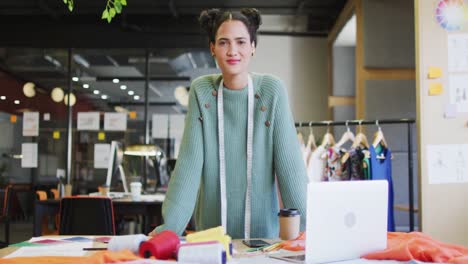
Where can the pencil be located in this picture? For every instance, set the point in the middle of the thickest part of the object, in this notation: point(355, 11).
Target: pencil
point(91, 249)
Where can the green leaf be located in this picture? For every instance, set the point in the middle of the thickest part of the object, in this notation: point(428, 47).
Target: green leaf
point(65, 1)
point(112, 12)
point(70, 6)
point(109, 18)
point(123, 2)
point(118, 7)
point(105, 14)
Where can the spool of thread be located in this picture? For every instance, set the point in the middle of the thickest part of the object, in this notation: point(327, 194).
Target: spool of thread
point(161, 246)
point(204, 252)
point(131, 242)
point(201, 235)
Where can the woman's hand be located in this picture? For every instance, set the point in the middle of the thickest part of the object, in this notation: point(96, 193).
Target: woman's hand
point(152, 233)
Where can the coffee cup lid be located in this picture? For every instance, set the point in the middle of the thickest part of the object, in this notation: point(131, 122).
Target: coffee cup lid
point(289, 212)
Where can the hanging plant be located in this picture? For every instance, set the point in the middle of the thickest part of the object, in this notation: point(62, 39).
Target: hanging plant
point(112, 8)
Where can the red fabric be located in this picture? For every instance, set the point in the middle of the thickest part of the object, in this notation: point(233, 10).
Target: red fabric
point(296, 244)
point(418, 246)
point(101, 257)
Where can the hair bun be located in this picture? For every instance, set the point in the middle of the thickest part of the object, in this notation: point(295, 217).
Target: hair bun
point(207, 19)
point(253, 15)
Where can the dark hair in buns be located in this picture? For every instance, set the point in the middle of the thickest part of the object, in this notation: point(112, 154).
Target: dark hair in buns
point(211, 19)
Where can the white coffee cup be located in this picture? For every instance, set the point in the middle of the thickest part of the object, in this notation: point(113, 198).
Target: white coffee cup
point(135, 189)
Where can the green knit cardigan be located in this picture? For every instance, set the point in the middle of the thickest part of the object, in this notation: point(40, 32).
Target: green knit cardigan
point(194, 185)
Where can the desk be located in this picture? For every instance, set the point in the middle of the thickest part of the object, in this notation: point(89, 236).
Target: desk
point(151, 211)
point(238, 259)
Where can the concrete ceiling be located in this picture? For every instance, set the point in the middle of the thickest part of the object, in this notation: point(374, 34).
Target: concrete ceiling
point(37, 35)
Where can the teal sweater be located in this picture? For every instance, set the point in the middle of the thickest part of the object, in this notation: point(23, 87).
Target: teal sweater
point(194, 185)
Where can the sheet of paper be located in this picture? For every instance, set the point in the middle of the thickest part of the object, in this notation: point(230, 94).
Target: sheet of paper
point(101, 156)
point(29, 155)
point(115, 121)
point(457, 52)
point(176, 130)
point(447, 163)
point(88, 121)
point(459, 91)
point(160, 126)
point(434, 72)
point(450, 111)
point(435, 88)
point(70, 249)
point(31, 124)
point(101, 136)
point(56, 134)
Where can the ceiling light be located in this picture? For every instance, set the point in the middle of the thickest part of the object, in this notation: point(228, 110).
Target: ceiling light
point(28, 89)
point(115, 80)
point(104, 97)
point(85, 85)
point(123, 87)
point(72, 99)
point(57, 94)
point(136, 97)
point(3, 97)
point(131, 92)
point(52, 60)
point(96, 92)
point(75, 79)
point(17, 101)
point(80, 60)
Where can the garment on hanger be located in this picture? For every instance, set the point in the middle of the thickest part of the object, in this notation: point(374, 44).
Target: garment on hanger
point(300, 139)
point(381, 169)
point(310, 147)
point(316, 165)
point(356, 163)
point(336, 169)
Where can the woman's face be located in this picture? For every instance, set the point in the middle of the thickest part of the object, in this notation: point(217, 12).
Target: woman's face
point(232, 48)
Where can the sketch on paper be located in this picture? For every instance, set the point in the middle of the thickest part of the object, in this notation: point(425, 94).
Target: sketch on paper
point(447, 163)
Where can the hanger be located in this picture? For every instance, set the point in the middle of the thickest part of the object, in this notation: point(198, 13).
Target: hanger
point(379, 137)
point(347, 136)
point(311, 140)
point(360, 139)
point(328, 139)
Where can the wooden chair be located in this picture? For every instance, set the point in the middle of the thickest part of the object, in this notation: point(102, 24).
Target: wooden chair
point(83, 215)
point(5, 215)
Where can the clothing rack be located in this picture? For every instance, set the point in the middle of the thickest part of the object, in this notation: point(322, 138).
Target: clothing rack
point(379, 122)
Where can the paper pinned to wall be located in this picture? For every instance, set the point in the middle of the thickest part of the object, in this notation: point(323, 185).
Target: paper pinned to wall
point(435, 88)
point(457, 52)
point(31, 124)
point(459, 91)
point(447, 163)
point(434, 72)
point(176, 130)
point(29, 155)
point(160, 126)
point(115, 121)
point(101, 156)
point(88, 121)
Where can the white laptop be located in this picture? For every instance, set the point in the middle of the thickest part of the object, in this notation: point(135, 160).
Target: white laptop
point(345, 220)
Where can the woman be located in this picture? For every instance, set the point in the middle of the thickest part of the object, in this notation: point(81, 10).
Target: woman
point(239, 132)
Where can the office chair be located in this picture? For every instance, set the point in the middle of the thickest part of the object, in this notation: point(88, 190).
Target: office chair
point(5, 215)
point(42, 196)
point(86, 216)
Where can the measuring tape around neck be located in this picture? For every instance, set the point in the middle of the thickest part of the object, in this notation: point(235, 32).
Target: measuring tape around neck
point(222, 161)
